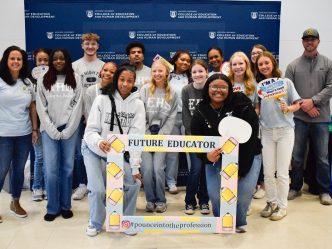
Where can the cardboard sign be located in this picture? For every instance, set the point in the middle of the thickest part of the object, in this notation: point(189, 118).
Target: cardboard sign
point(225, 68)
point(159, 57)
point(117, 222)
point(236, 128)
point(39, 71)
point(272, 88)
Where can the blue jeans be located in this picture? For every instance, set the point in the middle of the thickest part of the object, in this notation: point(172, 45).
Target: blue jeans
point(59, 164)
point(79, 174)
point(96, 172)
point(38, 178)
point(153, 172)
point(172, 158)
point(196, 182)
point(319, 134)
point(14, 151)
point(246, 187)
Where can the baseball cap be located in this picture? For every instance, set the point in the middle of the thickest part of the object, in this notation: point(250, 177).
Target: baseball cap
point(310, 32)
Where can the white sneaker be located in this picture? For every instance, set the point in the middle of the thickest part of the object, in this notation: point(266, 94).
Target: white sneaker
point(259, 194)
point(269, 209)
point(45, 194)
point(278, 214)
point(80, 192)
point(37, 194)
point(91, 230)
point(241, 229)
point(173, 189)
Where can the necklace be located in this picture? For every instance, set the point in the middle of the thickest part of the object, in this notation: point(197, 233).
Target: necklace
point(215, 110)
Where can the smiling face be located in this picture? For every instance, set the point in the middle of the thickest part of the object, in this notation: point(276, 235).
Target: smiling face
point(159, 73)
point(182, 64)
point(215, 59)
point(42, 59)
point(238, 66)
point(265, 66)
point(59, 61)
point(218, 92)
point(107, 73)
point(255, 53)
point(90, 47)
point(15, 62)
point(310, 44)
point(126, 83)
point(199, 74)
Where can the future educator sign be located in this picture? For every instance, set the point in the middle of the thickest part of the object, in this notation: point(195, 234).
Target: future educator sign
point(228, 143)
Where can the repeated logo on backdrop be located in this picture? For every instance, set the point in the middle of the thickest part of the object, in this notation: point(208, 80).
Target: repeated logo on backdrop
point(162, 26)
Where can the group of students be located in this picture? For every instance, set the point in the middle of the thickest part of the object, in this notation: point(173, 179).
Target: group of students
point(168, 100)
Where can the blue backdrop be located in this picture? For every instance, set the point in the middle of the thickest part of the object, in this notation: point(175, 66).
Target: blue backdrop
point(163, 26)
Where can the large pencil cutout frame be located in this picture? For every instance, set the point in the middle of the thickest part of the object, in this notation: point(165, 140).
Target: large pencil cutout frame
point(116, 222)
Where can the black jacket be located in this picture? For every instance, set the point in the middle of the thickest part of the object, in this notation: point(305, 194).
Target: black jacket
point(205, 122)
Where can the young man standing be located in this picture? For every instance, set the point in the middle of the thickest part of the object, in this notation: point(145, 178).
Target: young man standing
point(88, 68)
point(312, 77)
point(135, 52)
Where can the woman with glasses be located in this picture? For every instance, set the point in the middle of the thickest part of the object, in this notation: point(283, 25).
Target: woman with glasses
point(218, 102)
point(255, 51)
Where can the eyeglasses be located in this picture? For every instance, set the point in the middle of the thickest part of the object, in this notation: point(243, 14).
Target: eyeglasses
point(256, 53)
point(221, 88)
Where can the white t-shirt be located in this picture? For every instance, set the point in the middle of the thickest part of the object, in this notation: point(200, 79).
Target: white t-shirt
point(240, 87)
point(15, 101)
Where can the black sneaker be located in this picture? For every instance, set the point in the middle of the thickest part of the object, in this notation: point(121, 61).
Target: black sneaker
point(189, 209)
point(67, 214)
point(204, 208)
point(50, 217)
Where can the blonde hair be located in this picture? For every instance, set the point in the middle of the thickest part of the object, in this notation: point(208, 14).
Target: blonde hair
point(153, 86)
point(248, 77)
point(90, 36)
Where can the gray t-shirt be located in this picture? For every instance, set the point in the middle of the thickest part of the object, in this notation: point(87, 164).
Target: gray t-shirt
point(143, 76)
point(15, 101)
point(190, 98)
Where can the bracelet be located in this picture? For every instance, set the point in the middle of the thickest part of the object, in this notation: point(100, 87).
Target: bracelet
point(34, 129)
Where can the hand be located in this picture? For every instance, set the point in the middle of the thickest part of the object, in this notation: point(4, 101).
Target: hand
point(105, 146)
point(284, 107)
point(214, 155)
point(306, 104)
point(137, 176)
point(314, 112)
point(34, 137)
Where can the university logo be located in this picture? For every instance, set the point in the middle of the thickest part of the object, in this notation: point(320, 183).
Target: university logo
point(173, 13)
point(212, 35)
point(49, 35)
point(132, 34)
point(254, 15)
point(89, 13)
